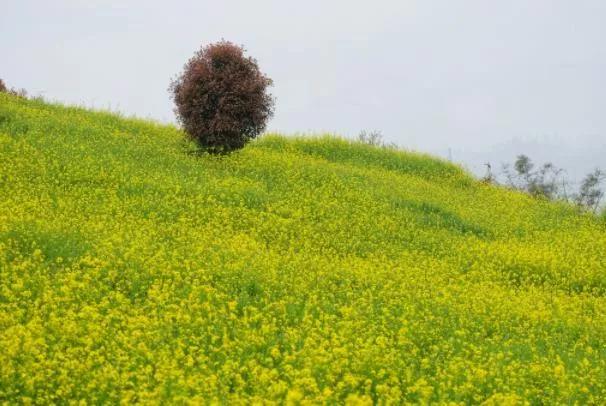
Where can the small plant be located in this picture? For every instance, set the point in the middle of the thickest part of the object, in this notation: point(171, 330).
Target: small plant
point(221, 98)
point(488, 177)
point(22, 93)
point(373, 137)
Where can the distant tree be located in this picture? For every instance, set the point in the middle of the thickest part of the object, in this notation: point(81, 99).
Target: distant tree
point(221, 98)
point(548, 182)
point(373, 137)
point(3, 88)
point(545, 182)
point(590, 195)
point(523, 167)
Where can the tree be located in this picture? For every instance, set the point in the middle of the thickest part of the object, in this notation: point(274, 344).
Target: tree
point(523, 167)
point(547, 182)
point(590, 194)
point(544, 182)
point(221, 98)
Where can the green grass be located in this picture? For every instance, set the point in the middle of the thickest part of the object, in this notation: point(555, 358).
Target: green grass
point(299, 269)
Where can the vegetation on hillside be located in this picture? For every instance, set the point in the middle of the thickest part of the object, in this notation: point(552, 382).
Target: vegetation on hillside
point(548, 182)
point(12, 91)
point(294, 270)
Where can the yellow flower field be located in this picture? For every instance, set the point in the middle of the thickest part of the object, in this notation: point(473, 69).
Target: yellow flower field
point(300, 270)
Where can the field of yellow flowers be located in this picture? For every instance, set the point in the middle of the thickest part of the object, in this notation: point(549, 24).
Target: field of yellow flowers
point(298, 271)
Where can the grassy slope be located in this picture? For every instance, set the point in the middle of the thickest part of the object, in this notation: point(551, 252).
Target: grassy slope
point(319, 269)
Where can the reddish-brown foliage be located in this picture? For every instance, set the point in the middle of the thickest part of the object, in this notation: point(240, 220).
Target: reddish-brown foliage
point(2, 86)
point(221, 98)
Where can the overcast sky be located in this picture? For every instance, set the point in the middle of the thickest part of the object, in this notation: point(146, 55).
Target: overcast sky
point(487, 79)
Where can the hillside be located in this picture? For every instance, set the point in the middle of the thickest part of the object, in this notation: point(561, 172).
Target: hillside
point(299, 269)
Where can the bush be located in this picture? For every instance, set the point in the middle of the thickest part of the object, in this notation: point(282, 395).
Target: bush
point(544, 182)
point(371, 137)
point(590, 195)
point(548, 182)
point(22, 93)
point(221, 98)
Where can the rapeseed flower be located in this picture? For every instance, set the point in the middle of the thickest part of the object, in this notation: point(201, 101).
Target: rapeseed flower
point(299, 270)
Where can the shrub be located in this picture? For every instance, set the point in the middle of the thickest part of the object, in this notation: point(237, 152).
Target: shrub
point(371, 137)
point(221, 98)
point(22, 93)
point(544, 182)
point(590, 195)
point(547, 182)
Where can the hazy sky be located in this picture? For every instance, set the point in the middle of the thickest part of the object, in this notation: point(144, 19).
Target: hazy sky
point(488, 79)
